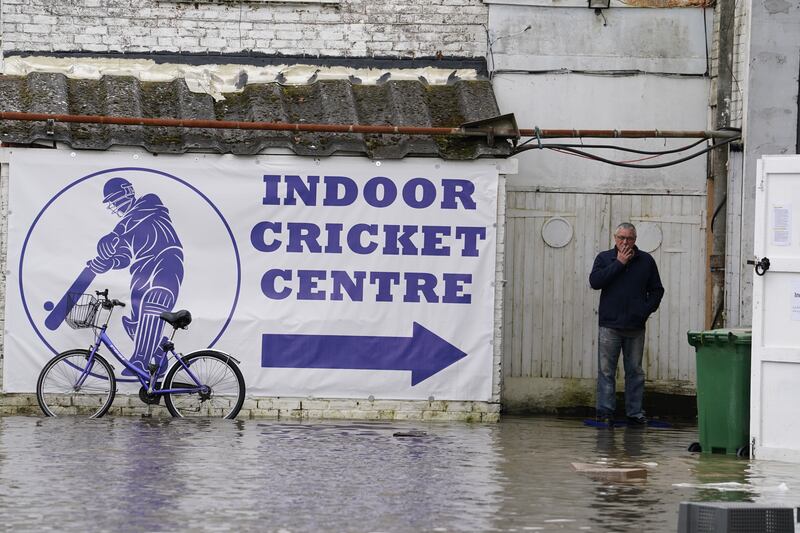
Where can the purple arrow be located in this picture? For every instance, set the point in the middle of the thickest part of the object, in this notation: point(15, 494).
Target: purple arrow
point(424, 353)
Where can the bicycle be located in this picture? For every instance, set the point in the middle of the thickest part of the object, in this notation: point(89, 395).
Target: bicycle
point(81, 381)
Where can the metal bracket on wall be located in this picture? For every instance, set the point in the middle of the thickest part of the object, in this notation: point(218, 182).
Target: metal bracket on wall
point(502, 127)
point(716, 263)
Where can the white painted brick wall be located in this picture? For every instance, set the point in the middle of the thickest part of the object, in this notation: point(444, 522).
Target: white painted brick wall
point(739, 60)
point(362, 28)
point(395, 28)
point(739, 50)
point(297, 409)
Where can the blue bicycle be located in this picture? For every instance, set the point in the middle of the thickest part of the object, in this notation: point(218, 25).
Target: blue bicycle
point(204, 383)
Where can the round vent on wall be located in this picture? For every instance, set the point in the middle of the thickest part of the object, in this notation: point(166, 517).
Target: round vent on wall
point(648, 236)
point(557, 232)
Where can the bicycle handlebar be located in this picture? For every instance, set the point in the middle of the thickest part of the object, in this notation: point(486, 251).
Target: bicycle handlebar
point(108, 304)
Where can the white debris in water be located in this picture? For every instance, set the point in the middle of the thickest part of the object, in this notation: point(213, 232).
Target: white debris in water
point(780, 488)
point(724, 487)
point(732, 486)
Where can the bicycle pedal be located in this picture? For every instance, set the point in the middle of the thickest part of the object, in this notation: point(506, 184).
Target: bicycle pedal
point(147, 415)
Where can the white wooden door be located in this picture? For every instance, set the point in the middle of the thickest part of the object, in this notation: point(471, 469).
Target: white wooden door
point(775, 351)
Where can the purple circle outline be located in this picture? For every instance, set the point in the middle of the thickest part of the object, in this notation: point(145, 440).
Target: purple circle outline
point(128, 169)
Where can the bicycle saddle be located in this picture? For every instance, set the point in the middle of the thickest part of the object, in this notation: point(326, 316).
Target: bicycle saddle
point(178, 320)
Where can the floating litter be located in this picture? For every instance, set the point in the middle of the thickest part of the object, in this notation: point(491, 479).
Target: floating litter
point(605, 473)
point(412, 433)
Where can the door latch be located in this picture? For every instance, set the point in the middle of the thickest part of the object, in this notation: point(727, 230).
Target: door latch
point(762, 265)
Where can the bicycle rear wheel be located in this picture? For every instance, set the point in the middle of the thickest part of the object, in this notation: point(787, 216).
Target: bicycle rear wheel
point(64, 389)
point(218, 374)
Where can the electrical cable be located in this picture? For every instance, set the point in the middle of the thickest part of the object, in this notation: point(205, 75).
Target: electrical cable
point(623, 148)
point(718, 209)
point(489, 44)
point(581, 153)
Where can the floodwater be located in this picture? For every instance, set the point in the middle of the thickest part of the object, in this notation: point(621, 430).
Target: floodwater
point(156, 474)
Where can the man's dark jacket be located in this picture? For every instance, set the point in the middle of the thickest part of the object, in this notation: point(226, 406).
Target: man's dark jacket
point(630, 293)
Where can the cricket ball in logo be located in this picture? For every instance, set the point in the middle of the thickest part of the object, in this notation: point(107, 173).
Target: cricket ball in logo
point(155, 240)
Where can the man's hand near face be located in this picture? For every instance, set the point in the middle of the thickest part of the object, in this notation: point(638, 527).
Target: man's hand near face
point(624, 253)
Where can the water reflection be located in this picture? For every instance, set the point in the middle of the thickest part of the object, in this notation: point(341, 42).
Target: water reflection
point(242, 475)
point(621, 445)
point(619, 505)
point(774, 482)
point(721, 478)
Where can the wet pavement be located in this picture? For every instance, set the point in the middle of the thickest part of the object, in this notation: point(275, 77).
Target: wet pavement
point(160, 474)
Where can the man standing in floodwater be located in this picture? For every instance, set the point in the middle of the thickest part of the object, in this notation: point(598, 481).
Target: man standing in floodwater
point(631, 291)
point(145, 240)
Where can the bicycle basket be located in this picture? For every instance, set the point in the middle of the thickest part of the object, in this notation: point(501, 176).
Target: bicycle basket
point(83, 312)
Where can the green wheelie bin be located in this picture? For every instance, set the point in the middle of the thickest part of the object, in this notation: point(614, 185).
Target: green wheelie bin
point(723, 390)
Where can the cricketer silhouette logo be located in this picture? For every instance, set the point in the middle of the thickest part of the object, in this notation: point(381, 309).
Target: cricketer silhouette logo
point(135, 240)
point(145, 242)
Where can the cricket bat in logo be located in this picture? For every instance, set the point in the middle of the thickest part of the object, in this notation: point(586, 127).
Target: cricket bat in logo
point(64, 305)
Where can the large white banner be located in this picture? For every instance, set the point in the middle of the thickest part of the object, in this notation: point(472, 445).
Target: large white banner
point(337, 277)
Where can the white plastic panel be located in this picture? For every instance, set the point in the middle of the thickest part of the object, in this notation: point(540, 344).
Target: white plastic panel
point(779, 421)
point(775, 368)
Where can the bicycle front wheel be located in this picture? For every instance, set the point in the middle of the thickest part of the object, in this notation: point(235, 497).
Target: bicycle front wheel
point(220, 379)
point(68, 386)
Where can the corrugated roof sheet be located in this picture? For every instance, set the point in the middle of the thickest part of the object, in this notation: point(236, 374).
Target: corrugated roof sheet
point(396, 103)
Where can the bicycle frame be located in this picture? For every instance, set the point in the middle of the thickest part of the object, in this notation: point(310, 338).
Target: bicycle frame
point(147, 380)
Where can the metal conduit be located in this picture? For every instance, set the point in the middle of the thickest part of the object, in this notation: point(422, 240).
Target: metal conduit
point(358, 128)
point(631, 134)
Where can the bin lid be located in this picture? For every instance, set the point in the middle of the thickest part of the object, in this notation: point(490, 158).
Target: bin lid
point(724, 335)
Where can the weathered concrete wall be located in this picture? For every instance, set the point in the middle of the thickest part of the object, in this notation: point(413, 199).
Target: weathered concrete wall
point(575, 100)
point(626, 68)
point(770, 116)
point(576, 397)
point(360, 28)
point(557, 64)
point(532, 38)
